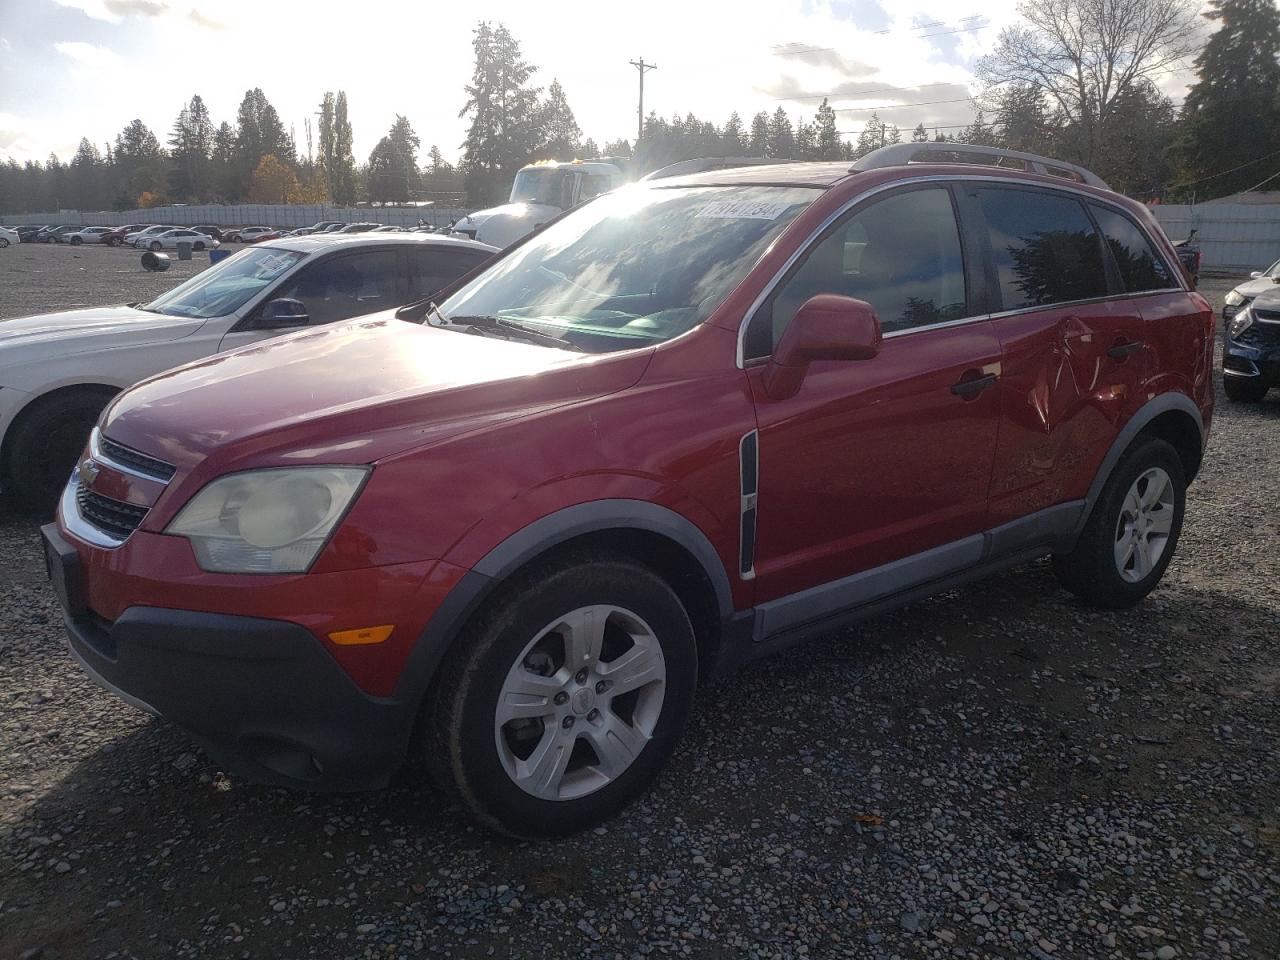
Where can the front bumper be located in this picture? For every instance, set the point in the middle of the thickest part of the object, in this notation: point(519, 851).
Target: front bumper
point(262, 696)
point(1255, 356)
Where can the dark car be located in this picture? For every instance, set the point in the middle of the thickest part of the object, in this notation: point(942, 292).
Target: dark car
point(54, 234)
point(117, 235)
point(357, 227)
point(209, 230)
point(1251, 352)
point(686, 425)
point(27, 232)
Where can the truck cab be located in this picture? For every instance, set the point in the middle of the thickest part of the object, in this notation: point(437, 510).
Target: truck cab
point(541, 191)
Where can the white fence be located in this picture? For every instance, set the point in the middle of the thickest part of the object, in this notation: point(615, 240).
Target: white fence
point(250, 214)
point(1234, 237)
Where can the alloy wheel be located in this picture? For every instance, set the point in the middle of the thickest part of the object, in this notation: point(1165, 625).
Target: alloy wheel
point(580, 703)
point(1145, 522)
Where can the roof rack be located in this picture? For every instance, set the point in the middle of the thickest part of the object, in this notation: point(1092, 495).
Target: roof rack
point(901, 154)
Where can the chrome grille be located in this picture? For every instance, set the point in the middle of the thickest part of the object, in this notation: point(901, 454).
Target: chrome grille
point(113, 517)
point(135, 459)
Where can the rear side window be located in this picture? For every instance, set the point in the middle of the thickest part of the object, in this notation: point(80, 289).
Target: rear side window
point(901, 254)
point(1044, 247)
point(432, 270)
point(1141, 268)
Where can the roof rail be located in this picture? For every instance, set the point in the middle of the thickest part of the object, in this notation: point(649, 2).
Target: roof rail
point(901, 154)
point(702, 164)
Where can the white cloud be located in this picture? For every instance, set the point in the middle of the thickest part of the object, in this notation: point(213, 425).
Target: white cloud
point(87, 53)
point(113, 11)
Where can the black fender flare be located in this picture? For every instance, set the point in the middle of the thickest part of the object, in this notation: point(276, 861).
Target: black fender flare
point(531, 541)
point(1155, 407)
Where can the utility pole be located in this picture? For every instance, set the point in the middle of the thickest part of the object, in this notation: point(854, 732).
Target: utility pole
point(642, 67)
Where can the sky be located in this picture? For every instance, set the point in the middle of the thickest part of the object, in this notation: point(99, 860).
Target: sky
point(73, 68)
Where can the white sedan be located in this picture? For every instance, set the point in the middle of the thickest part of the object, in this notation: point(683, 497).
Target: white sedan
point(248, 234)
point(86, 235)
point(133, 238)
point(8, 236)
point(170, 239)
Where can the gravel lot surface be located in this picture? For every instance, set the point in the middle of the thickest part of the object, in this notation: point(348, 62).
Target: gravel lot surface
point(996, 772)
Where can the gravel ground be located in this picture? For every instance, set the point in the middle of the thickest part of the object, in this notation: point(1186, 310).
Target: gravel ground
point(996, 772)
point(37, 277)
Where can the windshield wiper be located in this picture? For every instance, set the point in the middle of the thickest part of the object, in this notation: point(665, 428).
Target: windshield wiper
point(503, 324)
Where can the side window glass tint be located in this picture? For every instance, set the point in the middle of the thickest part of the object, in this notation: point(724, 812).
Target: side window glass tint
point(901, 254)
point(1045, 249)
point(432, 270)
point(343, 287)
point(1141, 268)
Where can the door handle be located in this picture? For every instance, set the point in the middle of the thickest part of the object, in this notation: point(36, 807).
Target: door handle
point(1122, 350)
point(971, 388)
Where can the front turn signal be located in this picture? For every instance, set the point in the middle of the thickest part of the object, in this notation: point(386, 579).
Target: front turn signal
point(361, 637)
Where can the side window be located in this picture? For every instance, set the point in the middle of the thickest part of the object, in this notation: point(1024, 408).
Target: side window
point(1044, 247)
point(901, 254)
point(1141, 268)
point(338, 288)
point(594, 184)
point(432, 270)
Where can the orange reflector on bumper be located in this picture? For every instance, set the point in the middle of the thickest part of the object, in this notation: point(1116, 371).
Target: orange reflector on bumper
point(351, 638)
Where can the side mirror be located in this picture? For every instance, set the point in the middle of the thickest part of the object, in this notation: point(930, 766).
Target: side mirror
point(826, 327)
point(1256, 275)
point(282, 314)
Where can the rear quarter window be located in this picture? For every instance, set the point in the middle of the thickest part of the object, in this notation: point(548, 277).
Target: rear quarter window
point(1141, 266)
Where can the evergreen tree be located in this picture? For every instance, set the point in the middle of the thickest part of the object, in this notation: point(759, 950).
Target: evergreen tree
point(191, 144)
point(829, 144)
point(139, 164)
point(259, 132)
point(731, 136)
point(782, 139)
point(1022, 119)
point(392, 174)
point(588, 150)
point(806, 141)
point(342, 170)
point(874, 135)
point(758, 145)
point(617, 148)
point(222, 160)
point(504, 115)
point(979, 133)
point(1232, 112)
point(919, 134)
point(560, 133)
point(85, 177)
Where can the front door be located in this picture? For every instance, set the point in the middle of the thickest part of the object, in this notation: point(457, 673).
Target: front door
point(885, 459)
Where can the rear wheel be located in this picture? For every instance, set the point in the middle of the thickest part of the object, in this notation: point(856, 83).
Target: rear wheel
point(1244, 389)
point(1130, 536)
point(47, 440)
point(4, 242)
point(198, 246)
point(76, 241)
point(156, 246)
point(562, 701)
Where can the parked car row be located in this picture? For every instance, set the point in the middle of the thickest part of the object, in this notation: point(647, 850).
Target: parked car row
point(130, 234)
point(514, 524)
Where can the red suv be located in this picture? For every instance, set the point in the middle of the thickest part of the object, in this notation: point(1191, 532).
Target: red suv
point(685, 425)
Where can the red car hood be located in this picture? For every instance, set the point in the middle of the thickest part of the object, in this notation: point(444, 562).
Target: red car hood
point(352, 393)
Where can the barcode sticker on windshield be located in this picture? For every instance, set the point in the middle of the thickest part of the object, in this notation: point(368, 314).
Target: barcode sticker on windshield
point(744, 209)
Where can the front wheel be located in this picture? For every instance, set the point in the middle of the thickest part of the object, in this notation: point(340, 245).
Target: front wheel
point(198, 246)
point(562, 701)
point(156, 246)
point(1131, 534)
point(4, 242)
point(1244, 389)
point(44, 444)
point(76, 241)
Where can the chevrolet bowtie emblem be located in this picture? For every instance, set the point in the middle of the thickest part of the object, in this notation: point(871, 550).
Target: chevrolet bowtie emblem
point(89, 470)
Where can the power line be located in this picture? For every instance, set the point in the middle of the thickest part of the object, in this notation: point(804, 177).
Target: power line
point(1263, 183)
point(1214, 176)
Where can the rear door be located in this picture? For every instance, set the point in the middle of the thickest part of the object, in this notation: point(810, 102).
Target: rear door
point(877, 460)
point(1073, 351)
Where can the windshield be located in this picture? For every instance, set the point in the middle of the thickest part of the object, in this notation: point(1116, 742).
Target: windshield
point(635, 267)
point(225, 287)
point(538, 186)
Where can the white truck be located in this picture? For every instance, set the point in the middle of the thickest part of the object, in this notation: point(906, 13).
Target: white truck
point(541, 191)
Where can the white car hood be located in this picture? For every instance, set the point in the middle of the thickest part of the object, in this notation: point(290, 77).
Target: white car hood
point(506, 224)
point(79, 331)
point(1251, 288)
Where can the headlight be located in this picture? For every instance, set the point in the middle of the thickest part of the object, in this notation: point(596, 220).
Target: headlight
point(1241, 322)
point(267, 521)
point(1234, 298)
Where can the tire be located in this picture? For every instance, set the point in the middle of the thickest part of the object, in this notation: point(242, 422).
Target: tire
point(471, 753)
point(156, 246)
point(198, 246)
point(4, 242)
point(76, 241)
point(1244, 390)
point(1126, 544)
point(114, 242)
point(46, 441)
